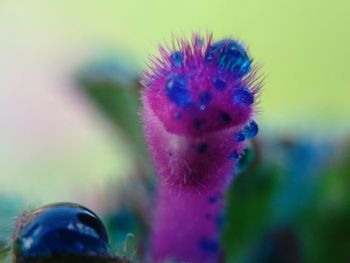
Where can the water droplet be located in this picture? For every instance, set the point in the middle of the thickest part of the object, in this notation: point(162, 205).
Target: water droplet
point(211, 246)
point(62, 228)
point(231, 56)
point(251, 130)
point(177, 91)
point(177, 58)
point(234, 156)
point(243, 96)
point(219, 84)
point(244, 68)
point(202, 148)
point(240, 137)
point(213, 200)
point(204, 99)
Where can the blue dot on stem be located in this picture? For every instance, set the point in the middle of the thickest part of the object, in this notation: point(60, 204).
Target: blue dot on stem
point(239, 137)
point(243, 96)
point(176, 89)
point(251, 130)
point(219, 84)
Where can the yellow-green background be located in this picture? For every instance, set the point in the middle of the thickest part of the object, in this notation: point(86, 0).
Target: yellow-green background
point(48, 137)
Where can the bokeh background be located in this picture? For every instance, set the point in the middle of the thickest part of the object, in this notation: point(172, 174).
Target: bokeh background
point(56, 145)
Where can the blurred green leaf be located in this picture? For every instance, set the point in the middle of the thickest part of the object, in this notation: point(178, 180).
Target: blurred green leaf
point(119, 105)
point(112, 86)
point(249, 200)
point(326, 224)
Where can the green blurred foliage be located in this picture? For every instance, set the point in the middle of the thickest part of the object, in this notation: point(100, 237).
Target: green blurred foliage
point(119, 105)
point(299, 208)
point(325, 228)
point(112, 85)
point(249, 201)
point(113, 88)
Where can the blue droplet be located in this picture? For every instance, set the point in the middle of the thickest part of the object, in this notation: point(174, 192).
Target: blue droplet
point(231, 56)
point(244, 68)
point(235, 59)
point(219, 84)
point(63, 229)
point(243, 96)
point(251, 130)
point(213, 199)
point(212, 52)
point(204, 99)
point(234, 156)
point(202, 148)
point(240, 137)
point(211, 246)
point(177, 58)
point(177, 91)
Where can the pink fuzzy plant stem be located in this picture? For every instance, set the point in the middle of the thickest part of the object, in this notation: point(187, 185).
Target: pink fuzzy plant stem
point(198, 104)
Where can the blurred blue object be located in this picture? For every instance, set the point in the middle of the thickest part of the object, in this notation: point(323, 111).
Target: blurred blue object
point(60, 229)
point(304, 163)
